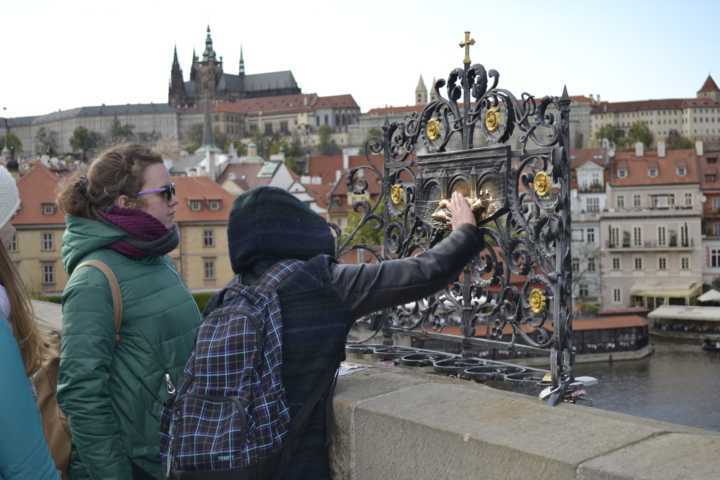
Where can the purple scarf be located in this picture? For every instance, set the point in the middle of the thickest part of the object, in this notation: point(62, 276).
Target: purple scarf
point(146, 235)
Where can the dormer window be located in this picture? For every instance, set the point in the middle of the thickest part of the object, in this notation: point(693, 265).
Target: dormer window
point(681, 171)
point(652, 172)
point(214, 205)
point(622, 172)
point(48, 208)
point(195, 205)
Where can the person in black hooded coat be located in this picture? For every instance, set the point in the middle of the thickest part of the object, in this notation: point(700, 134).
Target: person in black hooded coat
point(321, 300)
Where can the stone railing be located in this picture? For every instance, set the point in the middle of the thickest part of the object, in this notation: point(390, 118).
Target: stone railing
point(392, 423)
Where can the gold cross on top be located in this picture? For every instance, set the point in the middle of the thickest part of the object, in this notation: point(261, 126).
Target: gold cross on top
point(467, 44)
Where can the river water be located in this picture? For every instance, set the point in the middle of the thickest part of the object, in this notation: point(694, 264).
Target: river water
point(674, 386)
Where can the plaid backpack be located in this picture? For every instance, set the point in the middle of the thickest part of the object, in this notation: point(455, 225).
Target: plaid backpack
point(230, 412)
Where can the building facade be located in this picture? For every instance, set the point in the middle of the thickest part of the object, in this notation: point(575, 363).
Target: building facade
point(39, 226)
point(651, 239)
point(588, 200)
point(695, 118)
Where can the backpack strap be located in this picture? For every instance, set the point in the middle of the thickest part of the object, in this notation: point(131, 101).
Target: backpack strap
point(114, 290)
point(272, 278)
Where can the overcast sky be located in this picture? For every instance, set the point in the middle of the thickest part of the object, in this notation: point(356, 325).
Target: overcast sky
point(66, 54)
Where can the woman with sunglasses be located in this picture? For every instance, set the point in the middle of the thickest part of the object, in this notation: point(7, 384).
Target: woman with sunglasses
point(112, 388)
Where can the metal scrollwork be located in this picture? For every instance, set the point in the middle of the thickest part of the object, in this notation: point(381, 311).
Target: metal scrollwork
point(508, 157)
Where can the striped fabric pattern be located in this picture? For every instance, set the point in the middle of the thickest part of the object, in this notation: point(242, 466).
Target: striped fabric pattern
point(231, 410)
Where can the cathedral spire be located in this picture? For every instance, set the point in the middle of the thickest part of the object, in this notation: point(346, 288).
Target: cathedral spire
point(242, 62)
point(209, 53)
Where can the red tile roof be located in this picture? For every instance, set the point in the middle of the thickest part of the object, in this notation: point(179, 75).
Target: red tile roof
point(336, 101)
point(201, 188)
point(660, 104)
point(709, 86)
point(395, 110)
point(581, 99)
point(305, 102)
point(39, 186)
point(580, 156)
point(244, 175)
point(637, 168)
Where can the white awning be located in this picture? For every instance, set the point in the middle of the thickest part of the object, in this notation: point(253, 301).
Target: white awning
point(682, 312)
point(666, 288)
point(710, 296)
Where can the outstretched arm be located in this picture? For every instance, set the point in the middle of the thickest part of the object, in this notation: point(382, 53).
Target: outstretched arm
point(370, 287)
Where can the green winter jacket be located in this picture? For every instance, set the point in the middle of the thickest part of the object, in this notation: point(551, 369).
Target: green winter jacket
point(112, 391)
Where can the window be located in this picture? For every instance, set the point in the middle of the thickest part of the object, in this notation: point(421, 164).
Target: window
point(208, 238)
point(593, 204)
point(48, 209)
point(48, 273)
point(661, 239)
point(685, 263)
point(662, 263)
point(209, 268)
point(652, 172)
point(214, 205)
point(575, 265)
point(616, 263)
point(621, 201)
point(681, 171)
point(715, 258)
point(195, 205)
point(617, 297)
point(622, 172)
point(636, 201)
point(577, 235)
point(684, 239)
point(637, 236)
point(710, 178)
point(590, 235)
point(326, 120)
point(614, 237)
point(688, 199)
point(583, 290)
point(638, 263)
point(47, 242)
point(13, 243)
point(591, 264)
point(712, 160)
point(268, 129)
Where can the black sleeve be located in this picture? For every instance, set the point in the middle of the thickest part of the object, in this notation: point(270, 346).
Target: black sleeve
point(366, 288)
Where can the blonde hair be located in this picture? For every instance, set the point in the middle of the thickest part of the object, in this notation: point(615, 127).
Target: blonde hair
point(32, 342)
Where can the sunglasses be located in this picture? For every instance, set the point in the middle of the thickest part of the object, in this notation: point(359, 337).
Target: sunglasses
point(167, 191)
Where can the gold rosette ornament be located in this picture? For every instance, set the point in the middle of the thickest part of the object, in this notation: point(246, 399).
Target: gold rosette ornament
point(492, 119)
point(432, 130)
point(541, 184)
point(397, 195)
point(536, 300)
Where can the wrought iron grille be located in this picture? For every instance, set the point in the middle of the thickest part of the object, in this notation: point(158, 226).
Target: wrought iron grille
point(509, 157)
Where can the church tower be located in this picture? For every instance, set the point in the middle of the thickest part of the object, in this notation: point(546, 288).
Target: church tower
point(709, 90)
point(421, 93)
point(433, 94)
point(194, 67)
point(210, 70)
point(241, 72)
point(176, 91)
